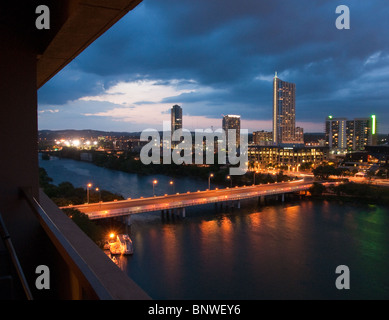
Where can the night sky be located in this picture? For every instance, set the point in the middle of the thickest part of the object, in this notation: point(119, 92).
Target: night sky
point(217, 57)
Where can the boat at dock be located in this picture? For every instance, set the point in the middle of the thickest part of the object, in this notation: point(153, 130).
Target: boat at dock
point(122, 246)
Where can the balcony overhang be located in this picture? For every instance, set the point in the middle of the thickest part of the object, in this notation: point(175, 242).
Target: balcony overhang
point(86, 21)
point(74, 25)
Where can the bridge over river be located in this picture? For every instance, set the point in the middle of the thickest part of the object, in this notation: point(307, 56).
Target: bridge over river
point(178, 202)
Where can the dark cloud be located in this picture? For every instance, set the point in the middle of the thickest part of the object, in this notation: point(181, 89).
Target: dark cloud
point(233, 47)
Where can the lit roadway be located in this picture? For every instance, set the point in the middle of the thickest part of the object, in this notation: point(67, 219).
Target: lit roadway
point(126, 207)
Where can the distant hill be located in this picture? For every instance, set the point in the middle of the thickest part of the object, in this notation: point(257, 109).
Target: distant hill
point(58, 134)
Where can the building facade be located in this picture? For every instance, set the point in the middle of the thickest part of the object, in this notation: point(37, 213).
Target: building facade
point(263, 138)
point(176, 122)
point(176, 118)
point(344, 135)
point(284, 114)
point(291, 157)
point(336, 137)
point(232, 122)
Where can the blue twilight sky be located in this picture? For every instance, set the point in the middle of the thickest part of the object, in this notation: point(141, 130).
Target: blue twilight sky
point(216, 57)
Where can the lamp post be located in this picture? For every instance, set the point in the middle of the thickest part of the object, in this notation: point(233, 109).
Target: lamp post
point(87, 191)
point(229, 178)
point(209, 181)
point(172, 184)
point(154, 183)
point(98, 190)
point(255, 172)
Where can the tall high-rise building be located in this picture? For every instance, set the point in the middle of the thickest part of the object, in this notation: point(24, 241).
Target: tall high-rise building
point(176, 117)
point(284, 113)
point(176, 122)
point(336, 137)
point(232, 122)
point(365, 132)
point(350, 135)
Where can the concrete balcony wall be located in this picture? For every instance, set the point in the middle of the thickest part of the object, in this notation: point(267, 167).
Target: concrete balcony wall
point(18, 136)
point(28, 59)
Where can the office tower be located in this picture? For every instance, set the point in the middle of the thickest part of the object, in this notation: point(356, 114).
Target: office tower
point(232, 122)
point(284, 113)
point(176, 117)
point(263, 138)
point(176, 122)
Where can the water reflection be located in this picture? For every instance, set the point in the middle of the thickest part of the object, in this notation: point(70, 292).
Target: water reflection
point(278, 251)
point(129, 185)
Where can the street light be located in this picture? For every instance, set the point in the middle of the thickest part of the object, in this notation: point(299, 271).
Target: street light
point(154, 183)
point(172, 184)
point(254, 175)
point(209, 181)
point(98, 190)
point(229, 178)
point(87, 191)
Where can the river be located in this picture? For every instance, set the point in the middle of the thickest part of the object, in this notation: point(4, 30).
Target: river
point(277, 251)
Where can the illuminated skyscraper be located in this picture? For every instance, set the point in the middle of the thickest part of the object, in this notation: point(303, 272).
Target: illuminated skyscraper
point(176, 121)
point(176, 118)
point(232, 122)
point(336, 134)
point(284, 113)
point(350, 135)
point(365, 132)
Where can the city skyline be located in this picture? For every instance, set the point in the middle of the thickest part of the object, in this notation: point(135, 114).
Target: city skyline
point(109, 208)
point(129, 81)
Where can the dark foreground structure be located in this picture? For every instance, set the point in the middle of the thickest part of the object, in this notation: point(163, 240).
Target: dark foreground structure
point(34, 231)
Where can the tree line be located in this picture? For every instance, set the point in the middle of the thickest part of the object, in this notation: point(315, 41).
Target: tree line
point(129, 162)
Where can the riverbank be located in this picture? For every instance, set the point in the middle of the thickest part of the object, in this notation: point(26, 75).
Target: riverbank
point(65, 193)
point(130, 163)
point(356, 192)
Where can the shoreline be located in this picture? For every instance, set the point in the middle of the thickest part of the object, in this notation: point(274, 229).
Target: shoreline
point(350, 199)
point(193, 171)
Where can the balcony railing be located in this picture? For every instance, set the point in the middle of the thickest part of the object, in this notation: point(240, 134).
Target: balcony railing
point(10, 254)
point(86, 272)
